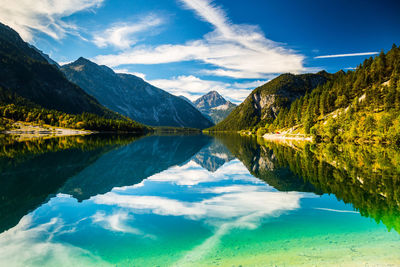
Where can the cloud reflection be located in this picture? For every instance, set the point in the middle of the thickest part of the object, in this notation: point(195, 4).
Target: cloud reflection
point(30, 244)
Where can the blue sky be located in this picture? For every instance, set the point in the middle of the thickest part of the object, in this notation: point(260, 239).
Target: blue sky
point(190, 47)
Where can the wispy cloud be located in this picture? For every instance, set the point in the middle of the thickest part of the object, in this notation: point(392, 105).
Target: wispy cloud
point(348, 55)
point(126, 71)
point(237, 51)
point(46, 16)
point(123, 35)
point(192, 87)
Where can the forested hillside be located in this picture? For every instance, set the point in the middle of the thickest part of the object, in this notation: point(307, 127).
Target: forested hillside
point(32, 90)
point(363, 104)
point(25, 72)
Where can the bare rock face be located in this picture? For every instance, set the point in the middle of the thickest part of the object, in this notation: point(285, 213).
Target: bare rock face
point(133, 97)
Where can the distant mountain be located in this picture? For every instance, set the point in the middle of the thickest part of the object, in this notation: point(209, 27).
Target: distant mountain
point(25, 73)
point(265, 102)
point(133, 97)
point(214, 106)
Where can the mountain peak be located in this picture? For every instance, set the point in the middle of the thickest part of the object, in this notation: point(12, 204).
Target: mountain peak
point(82, 64)
point(213, 93)
point(211, 99)
point(214, 106)
point(81, 61)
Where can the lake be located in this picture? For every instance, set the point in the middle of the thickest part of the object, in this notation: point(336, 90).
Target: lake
point(197, 200)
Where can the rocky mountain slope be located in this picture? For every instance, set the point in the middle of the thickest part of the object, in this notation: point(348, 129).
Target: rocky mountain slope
point(214, 106)
point(25, 73)
point(133, 97)
point(265, 102)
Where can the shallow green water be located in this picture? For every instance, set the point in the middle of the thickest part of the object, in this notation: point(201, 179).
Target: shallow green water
point(197, 201)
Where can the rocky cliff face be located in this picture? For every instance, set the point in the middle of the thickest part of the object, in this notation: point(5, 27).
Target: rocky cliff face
point(214, 106)
point(131, 96)
point(265, 102)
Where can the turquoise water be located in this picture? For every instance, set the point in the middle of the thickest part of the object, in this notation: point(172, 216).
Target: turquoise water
point(184, 201)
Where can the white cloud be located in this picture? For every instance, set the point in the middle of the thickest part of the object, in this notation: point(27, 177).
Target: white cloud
point(192, 87)
point(238, 51)
point(126, 71)
point(62, 63)
point(246, 85)
point(123, 35)
point(348, 55)
point(27, 16)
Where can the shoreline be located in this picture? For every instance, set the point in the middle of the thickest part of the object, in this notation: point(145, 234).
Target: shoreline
point(296, 137)
point(26, 131)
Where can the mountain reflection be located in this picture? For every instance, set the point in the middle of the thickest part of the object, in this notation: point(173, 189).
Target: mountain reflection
point(131, 164)
point(213, 156)
point(31, 171)
point(83, 166)
point(368, 177)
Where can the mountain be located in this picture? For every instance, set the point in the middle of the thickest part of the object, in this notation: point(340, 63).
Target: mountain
point(25, 73)
point(214, 106)
point(265, 102)
point(133, 97)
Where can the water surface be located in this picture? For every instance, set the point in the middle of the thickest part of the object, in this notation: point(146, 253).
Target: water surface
point(197, 201)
